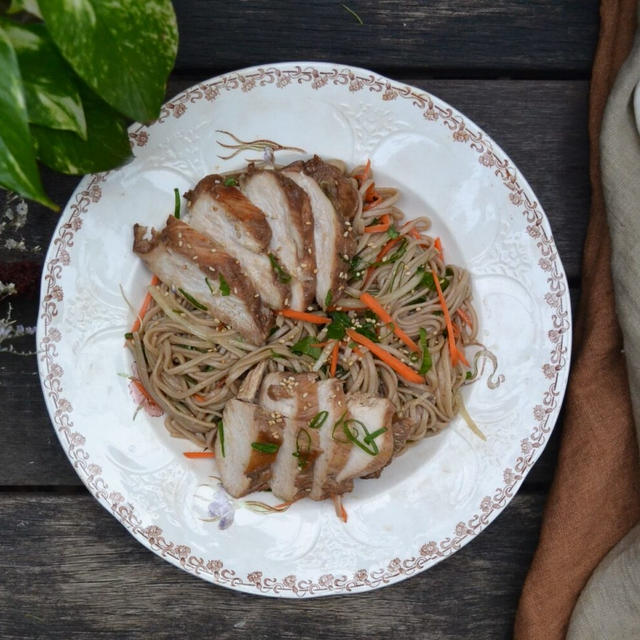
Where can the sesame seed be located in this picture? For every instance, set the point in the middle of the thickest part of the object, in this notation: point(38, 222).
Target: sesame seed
point(309, 308)
point(179, 243)
point(256, 295)
point(189, 246)
point(194, 258)
point(309, 250)
point(315, 271)
point(235, 289)
point(345, 234)
point(211, 269)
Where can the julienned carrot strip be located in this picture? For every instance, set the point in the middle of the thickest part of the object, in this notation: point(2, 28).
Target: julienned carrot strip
point(361, 177)
point(465, 318)
point(382, 313)
point(199, 454)
point(385, 223)
point(140, 387)
point(304, 316)
point(373, 202)
point(144, 306)
point(399, 367)
point(334, 358)
point(453, 349)
point(437, 243)
point(198, 398)
point(414, 233)
point(340, 510)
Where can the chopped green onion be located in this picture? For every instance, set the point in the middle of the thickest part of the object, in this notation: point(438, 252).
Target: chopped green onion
point(303, 456)
point(265, 447)
point(468, 375)
point(176, 206)
point(372, 436)
point(392, 232)
point(221, 436)
point(224, 286)
point(318, 420)
point(283, 276)
point(192, 300)
point(303, 347)
point(230, 182)
point(426, 355)
point(328, 298)
point(128, 336)
point(366, 444)
point(208, 284)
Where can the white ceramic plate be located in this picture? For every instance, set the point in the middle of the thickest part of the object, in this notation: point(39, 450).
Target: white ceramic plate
point(432, 500)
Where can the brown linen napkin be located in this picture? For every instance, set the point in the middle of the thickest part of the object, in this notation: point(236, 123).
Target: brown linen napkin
point(595, 497)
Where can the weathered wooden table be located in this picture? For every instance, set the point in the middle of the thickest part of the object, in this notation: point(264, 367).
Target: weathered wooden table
point(520, 70)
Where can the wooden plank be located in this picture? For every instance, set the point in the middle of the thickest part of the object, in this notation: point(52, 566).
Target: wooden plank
point(547, 140)
point(69, 568)
point(442, 36)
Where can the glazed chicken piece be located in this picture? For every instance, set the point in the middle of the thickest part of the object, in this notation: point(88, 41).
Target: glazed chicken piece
point(337, 187)
point(205, 275)
point(224, 213)
point(288, 212)
point(333, 240)
point(242, 468)
point(292, 398)
point(375, 413)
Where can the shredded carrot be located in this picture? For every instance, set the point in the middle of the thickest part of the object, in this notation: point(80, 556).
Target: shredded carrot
point(414, 233)
point(340, 510)
point(399, 367)
point(382, 253)
point(198, 398)
point(199, 454)
point(304, 316)
point(144, 307)
point(453, 349)
point(385, 223)
point(382, 313)
point(437, 243)
point(373, 201)
point(465, 318)
point(140, 387)
point(334, 358)
point(357, 351)
point(361, 177)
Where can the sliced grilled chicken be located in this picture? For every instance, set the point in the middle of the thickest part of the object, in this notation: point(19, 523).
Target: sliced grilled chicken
point(225, 214)
point(374, 413)
point(334, 453)
point(333, 240)
point(294, 398)
point(337, 187)
point(288, 213)
point(204, 273)
point(242, 468)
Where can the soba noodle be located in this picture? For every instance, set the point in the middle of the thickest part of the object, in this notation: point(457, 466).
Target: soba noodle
point(191, 364)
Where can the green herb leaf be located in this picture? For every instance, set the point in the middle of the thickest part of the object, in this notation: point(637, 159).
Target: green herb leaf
point(123, 50)
point(426, 355)
point(356, 269)
point(302, 347)
point(221, 436)
point(30, 6)
point(230, 182)
point(367, 326)
point(128, 336)
point(192, 300)
point(468, 375)
point(328, 298)
point(318, 420)
point(392, 232)
point(282, 275)
point(427, 280)
point(18, 169)
point(107, 144)
point(276, 355)
point(339, 325)
point(265, 447)
point(176, 203)
point(49, 86)
point(225, 290)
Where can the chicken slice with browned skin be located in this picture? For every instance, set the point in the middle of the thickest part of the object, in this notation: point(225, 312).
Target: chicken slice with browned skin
point(334, 452)
point(288, 212)
point(224, 213)
point(340, 189)
point(292, 398)
point(333, 241)
point(205, 275)
point(242, 467)
point(375, 414)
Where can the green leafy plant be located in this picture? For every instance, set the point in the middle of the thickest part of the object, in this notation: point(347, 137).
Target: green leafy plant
point(74, 72)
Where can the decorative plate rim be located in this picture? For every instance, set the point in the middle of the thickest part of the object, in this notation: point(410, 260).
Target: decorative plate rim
point(490, 155)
